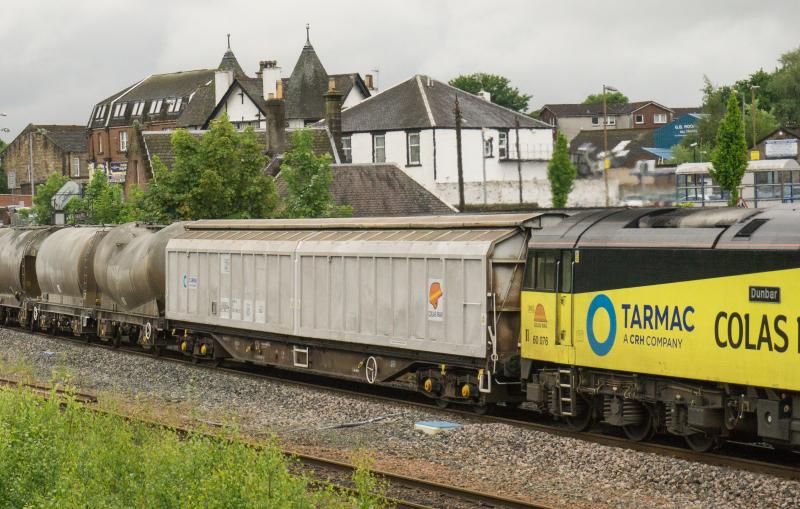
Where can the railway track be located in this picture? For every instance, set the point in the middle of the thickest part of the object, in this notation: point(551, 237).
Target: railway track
point(403, 492)
point(739, 456)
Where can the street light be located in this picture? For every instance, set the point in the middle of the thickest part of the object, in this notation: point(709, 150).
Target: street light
point(753, 110)
point(606, 160)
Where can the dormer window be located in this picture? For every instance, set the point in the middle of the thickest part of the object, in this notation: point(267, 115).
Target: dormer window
point(138, 108)
point(174, 105)
point(155, 107)
point(100, 112)
point(119, 110)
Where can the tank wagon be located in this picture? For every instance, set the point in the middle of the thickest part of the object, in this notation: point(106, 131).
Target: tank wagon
point(431, 303)
point(18, 249)
point(669, 320)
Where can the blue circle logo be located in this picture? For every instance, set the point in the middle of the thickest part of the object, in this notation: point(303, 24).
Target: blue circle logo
point(601, 348)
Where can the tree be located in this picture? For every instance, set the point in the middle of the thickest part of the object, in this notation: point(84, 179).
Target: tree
point(42, 201)
point(308, 180)
point(785, 85)
point(499, 87)
point(3, 180)
point(730, 156)
point(611, 98)
point(685, 153)
point(218, 175)
point(560, 172)
point(103, 203)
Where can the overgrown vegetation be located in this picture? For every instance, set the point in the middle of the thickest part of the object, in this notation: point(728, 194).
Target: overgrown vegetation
point(3, 179)
point(42, 200)
point(308, 180)
point(730, 155)
point(103, 203)
point(68, 457)
point(561, 172)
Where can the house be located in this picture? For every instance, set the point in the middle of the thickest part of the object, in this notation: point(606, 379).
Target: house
point(51, 149)
point(570, 119)
point(413, 126)
point(379, 190)
point(780, 143)
point(244, 99)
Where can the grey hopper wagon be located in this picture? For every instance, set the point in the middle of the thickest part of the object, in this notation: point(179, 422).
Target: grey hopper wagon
point(374, 299)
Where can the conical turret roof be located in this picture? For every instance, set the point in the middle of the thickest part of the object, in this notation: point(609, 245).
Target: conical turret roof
point(306, 86)
point(229, 63)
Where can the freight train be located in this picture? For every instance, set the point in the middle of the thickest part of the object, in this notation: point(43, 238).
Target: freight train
point(666, 320)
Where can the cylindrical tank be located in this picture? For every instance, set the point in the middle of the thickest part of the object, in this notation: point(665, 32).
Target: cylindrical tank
point(18, 248)
point(66, 260)
point(130, 263)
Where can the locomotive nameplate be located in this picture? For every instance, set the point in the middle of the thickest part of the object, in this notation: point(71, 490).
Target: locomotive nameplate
point(765, 294)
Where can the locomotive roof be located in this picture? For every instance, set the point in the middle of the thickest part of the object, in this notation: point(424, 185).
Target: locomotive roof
point(709, 228)
point(455, 221)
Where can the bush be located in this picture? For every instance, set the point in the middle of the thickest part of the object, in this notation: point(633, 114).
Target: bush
point(69, 457)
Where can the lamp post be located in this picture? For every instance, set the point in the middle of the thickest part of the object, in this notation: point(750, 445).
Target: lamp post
point(606, 160)
point(753, 110)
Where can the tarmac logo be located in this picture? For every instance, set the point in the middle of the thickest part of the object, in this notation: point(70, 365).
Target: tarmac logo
point(601, 301)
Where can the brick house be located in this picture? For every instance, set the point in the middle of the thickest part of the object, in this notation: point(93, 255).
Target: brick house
point(571, 119)
point(58, 149)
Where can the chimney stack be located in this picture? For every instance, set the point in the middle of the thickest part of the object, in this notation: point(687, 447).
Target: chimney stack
point(222, 82)
point(270, 73)
point(276, 125)
point(368, 81)
point(486, 96)
point(333, 115)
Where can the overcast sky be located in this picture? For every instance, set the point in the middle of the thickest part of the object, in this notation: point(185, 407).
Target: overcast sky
point(58, 58)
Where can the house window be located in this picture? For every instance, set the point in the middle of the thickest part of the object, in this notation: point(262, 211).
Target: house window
point(76, 167)
point(413, 148)
point(99, 143)
point(595, 120)
point(119, 110)
point(639, 119)
point(174, 105)
point(138, 108)
point(378, 148)
point(660, 118)
point(502, 144)
point(611, 120)
point(100, 112)
point(347, 149)
point(155, 107)
point(123, 141)
point(488, 147)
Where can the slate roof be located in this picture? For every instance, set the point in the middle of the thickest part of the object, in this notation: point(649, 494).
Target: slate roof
point(199, 108)
point(422, 102)
point(70, 138)
point(679, 112)
point(592, 141)
point(346, 82)
point(305, 87)
point(229, 63)
point(379, 190)
point(584, 110)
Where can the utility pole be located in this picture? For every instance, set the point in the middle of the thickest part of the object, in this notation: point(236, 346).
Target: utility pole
point(606, 159)
point(457, 112)
point(753, 111)
point(483, 160)
point(30, 163)
point(519, 158)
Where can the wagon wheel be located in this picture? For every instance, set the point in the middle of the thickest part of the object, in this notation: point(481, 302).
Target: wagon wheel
point(482, 408)
point(702, 442)
point(157, 350)
point(643, 430)
point(117, 340)
point(585, 418)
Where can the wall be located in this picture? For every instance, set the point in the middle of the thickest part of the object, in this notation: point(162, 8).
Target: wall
point(354, 97)
point(571, 126)
point(586, 193)
point(240, 108)
point(48, 158)
point(648, 112)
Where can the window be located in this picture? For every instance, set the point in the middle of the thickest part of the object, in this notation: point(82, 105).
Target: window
point(611, 120)
point(174, 105)
point(123, 141)
point(347, 149)
point(413, 148)
point(595, 120)
point(119, 110)
point(100, 112)
point(99, 143)
point(488, 147)
point(660, 118)
point(155, 107)
point(378, 148)
point(639, 119)
point(76, 167)
point(502, 144)
point(138, 108)
point(542, 271)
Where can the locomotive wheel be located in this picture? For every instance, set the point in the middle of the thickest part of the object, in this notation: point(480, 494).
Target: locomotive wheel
point(584, 419)
point(157, 350)
point(701, 442)
point(116, 341)
point(641, 431)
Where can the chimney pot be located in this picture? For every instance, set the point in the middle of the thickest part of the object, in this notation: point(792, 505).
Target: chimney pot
point(368, 80)
point(279, 89)
point(271, 73)
point(331, 84)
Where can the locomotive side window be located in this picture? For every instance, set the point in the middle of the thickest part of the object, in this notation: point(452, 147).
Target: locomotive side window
point(566, 272)
point(542, 271)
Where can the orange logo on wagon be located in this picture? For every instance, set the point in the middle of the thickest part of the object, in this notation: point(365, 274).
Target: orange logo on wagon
point(434, 294)
point(539, 316)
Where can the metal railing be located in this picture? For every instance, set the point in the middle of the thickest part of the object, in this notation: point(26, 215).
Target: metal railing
point(704, 193)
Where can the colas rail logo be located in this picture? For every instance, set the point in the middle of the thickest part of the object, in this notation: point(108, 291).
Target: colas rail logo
point(539, 317)
point(601, 302)
point(434, 294)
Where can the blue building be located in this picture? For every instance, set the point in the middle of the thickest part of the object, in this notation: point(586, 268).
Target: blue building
point(671, 134)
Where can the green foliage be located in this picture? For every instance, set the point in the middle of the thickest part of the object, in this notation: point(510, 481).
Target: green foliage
point(42, 206)
point(611, 98)
point(308, 180)
point(68, 457)
point(498, 86)
point(560, 172)
point(730, 155)
point(3, 180)
point(216, 176)
point(785, 87)
point(685, 153)
point(103, 203)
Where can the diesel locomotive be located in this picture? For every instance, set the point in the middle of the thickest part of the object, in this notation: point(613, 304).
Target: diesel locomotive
point(666, 320)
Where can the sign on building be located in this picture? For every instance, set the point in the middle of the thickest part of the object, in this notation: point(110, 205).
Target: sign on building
point(776, 149)
point(11, 180)
point(117, 172)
